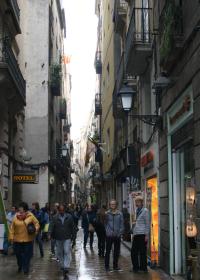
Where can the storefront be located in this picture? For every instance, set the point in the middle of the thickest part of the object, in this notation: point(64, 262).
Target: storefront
point(181, 180)
point(152, 205)
point(149, 163)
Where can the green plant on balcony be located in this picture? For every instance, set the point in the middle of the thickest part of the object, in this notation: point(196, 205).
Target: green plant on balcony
point(171, 26)
point(56, 76)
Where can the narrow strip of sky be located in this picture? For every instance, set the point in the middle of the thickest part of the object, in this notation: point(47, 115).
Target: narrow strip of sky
point(81, 42)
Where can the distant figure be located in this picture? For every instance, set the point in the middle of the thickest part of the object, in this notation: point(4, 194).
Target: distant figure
point(100, 230)
point(11, 214)
point(73, 211)
point(53, 212)
point(9, 217)
point(140, 237)
point(114, 224)
point(61, 230)
point(88, 221)
point(40, 216)
point(22, 238)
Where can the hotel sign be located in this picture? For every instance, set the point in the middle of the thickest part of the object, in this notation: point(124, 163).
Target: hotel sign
point(180, 111)
point(24, 178)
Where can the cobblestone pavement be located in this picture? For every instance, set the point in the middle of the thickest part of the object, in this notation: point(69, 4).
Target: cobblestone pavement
point(86, 265)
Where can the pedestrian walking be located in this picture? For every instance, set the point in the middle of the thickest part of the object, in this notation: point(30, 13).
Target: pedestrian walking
point(9, 217)
point(61, 230)
point(23, 230)
point(53, 213)
point(140, 237)
point(45, 229)
point(40, 216)
point(88, 221)
point(100, 230)
point(114, 225)
point(73, 211)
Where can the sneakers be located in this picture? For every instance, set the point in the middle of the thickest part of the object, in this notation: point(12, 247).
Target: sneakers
point(117, 269)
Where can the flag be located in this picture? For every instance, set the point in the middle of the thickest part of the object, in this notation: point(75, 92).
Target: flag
point(66, 59)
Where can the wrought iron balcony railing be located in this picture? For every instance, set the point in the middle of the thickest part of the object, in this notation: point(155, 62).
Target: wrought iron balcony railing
point(121, 8)
point(98, 63)
point(171, 30)
point(9, 61)
point(63, 109)
point(98, 105)
point(55, 79)
point(15, 8)
point(140, 28)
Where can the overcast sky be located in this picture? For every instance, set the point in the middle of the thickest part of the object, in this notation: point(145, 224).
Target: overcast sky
point(81, 45)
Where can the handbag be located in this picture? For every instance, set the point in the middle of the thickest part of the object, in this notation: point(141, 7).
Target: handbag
point(91, 228)
point(31, 229)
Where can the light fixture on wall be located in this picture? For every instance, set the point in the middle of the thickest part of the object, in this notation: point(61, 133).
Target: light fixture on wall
point(127, 96)
point(190, 195)
point(191, 228)
point(65, 149)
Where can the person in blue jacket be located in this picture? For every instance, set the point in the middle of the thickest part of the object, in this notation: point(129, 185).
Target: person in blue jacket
point(88, 223)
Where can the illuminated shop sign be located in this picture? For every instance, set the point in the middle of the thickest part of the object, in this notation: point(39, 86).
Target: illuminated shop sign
point(147, 160)
point(180, 111)
point(25, 178)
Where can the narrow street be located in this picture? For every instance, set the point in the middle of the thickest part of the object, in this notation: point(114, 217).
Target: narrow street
point(86, 265)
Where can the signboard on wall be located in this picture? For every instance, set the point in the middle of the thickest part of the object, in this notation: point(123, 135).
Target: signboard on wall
point(181, 111)
point(25, 178)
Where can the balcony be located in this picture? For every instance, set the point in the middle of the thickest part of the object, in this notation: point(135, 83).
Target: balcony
point(10, 74)
point(120, 15)
point(63, 109)
point(98, 105)
point(171, 30)
point(138, 41)
point(12, 15)
point(98, 63)
point(55, 79)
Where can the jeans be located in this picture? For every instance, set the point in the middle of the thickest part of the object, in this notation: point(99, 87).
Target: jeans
point(109, 242)
point(40, 243)
point(88, 233)
point(63, 248)
point(139, 253)
point(23, 252)
point(53, 246)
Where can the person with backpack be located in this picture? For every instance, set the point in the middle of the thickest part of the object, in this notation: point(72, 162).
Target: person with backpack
point(40, 216)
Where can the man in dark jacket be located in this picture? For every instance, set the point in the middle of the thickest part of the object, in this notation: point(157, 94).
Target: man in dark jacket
point(61, 229)
point(114, 225)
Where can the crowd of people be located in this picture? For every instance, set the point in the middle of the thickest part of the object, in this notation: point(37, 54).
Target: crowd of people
point(60, 225)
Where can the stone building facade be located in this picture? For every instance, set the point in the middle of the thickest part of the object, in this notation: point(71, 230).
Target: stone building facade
point(12, 97)
point(156, 54)
point(46, 127)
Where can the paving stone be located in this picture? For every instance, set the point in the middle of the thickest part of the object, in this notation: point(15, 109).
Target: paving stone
point(86, 265)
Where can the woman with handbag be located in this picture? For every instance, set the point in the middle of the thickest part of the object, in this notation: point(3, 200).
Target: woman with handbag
point(23, 230)
point(88, 221)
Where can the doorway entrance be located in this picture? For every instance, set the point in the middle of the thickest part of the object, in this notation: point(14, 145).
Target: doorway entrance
point(183, 176)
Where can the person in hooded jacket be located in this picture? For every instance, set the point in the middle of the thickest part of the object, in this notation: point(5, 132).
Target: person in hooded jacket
point(21, 239)
point(114, 225)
